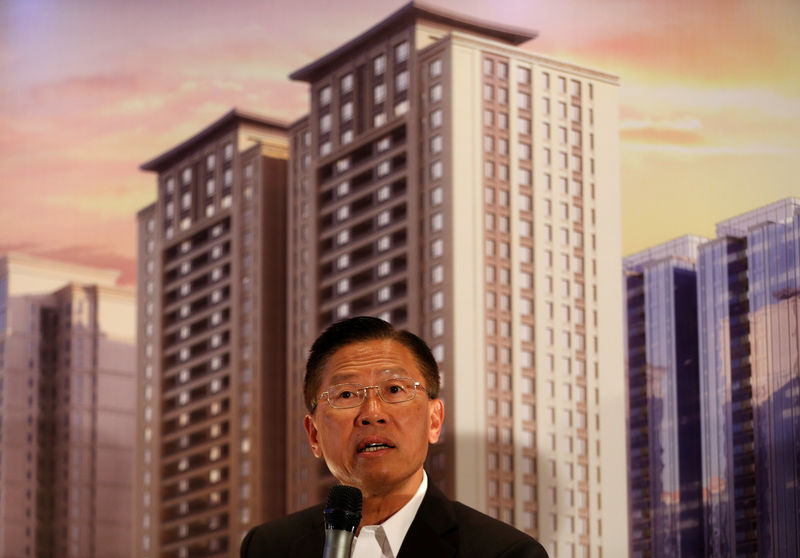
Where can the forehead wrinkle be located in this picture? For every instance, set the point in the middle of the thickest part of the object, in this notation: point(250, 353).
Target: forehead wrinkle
point(366, 358)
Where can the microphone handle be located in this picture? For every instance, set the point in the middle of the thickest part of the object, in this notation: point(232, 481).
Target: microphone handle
point(338, 543)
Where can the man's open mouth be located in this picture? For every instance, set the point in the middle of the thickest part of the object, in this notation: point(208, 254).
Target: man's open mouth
point(374, 446)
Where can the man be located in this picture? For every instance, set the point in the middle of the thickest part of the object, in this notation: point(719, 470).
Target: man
point(372, 396)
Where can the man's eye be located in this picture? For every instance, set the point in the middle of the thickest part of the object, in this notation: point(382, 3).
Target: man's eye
point(346, 394)
point(396, 388)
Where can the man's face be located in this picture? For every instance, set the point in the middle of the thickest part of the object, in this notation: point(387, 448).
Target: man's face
point(396, 435)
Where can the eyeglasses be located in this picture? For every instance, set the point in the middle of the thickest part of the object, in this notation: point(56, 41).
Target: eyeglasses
point(392, 390)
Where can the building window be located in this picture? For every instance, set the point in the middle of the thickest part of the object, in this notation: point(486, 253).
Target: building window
point(384, 144)
point(379, 65)
point(435, 68)
point(401, 52)
point(437, 248)
point(346, 84)
point(437, 222)
point(325, 124)
point(524, 125)
point(436, 144)
point(502, 70)
point(401, 81)
point(379, 93)
point(325, 96)
point(384, 192)
point(523, 75)
point(436, 196)
point(401, 108)
point(436, 118)
point(436, 93)
point(343, 164)
point(436, 170)
point(325, 148)
point(347, 111)
point(502, 95)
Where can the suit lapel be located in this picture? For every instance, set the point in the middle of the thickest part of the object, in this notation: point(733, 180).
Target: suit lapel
point(434, 531)
point(311, 545)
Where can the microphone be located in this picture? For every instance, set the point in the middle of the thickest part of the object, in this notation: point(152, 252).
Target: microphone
point(342, 516)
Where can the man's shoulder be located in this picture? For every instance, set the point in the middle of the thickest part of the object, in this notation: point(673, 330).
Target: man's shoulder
point(477, 528)
point(283, 533)
point(474, 534)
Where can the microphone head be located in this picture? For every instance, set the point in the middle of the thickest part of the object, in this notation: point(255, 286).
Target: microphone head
point(343, 509)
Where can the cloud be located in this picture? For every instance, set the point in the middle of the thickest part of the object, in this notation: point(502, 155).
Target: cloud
point(82, 254)
point(220, 84)
point(682, 131)
point(137, 104)
point(94, 256)
point(706, 150)
point(104, 201)
point(696, 98)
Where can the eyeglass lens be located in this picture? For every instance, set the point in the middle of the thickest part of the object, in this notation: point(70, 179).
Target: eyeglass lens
point(393, 390)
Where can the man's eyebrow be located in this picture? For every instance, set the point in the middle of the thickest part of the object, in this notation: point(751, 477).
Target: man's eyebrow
point(350, 377)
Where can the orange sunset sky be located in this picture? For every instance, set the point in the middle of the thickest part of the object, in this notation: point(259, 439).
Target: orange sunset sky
point(90, 89)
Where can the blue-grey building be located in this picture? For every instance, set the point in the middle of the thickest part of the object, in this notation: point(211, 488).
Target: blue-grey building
point(665, 498)
point(713, 345)
point(748, 287)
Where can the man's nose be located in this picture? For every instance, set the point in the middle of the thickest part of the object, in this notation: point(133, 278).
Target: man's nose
point(371, 410)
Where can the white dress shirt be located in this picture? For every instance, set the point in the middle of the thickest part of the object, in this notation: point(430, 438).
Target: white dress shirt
point(384, 540)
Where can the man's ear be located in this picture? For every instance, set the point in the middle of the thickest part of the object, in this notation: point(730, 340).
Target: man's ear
point(313, 435)
point(436, 418)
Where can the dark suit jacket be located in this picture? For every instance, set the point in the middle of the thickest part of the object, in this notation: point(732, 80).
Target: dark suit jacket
point(441, 529)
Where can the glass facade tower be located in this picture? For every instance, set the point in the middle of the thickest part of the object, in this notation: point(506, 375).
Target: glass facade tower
point(749, 344)
point(747, 388)
point(663, 405)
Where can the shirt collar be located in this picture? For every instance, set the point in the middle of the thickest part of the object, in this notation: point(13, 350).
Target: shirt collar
point(397, 526)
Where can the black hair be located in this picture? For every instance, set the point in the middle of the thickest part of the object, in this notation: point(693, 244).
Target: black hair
point(360, 329)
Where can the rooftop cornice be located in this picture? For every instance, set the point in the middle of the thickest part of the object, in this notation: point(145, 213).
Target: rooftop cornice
point(231, 118)
point(408, 15)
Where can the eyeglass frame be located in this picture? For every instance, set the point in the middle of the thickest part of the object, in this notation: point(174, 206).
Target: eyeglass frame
point(326, 393)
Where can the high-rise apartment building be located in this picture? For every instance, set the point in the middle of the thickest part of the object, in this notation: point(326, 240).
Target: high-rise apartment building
point(67, 410)
point(211, 341)
point(748, 381)
point(462, 187)
point(748, 289)
point(664, 465)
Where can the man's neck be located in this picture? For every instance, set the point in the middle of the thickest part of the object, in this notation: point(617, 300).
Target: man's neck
point(378, 507)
